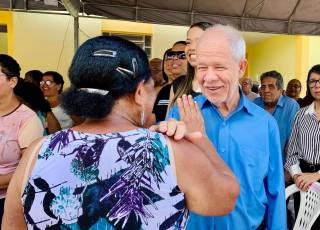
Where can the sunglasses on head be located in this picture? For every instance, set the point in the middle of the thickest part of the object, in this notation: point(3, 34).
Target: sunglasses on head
point(178, 54)
point(47, 82)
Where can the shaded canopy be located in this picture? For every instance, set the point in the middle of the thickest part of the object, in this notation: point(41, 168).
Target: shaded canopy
point(272, 16)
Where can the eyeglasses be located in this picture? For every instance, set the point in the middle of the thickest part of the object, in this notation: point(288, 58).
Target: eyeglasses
point(312, 83)
point(178, 54)
point(47, 83)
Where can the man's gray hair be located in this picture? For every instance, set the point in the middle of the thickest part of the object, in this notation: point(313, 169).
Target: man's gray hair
point(237, 43)
point(248, 80)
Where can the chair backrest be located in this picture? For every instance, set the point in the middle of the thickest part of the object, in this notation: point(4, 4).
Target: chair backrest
point(309, 206)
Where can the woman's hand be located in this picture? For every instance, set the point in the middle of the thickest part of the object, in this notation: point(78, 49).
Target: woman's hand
point(304, 180)
point(172, 128)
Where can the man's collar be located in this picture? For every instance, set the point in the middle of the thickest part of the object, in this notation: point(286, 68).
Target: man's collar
point(244, 103)
point(281, 101)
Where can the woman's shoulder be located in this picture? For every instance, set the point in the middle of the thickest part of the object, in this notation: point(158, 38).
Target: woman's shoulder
point(305, 110)
point(23, 113)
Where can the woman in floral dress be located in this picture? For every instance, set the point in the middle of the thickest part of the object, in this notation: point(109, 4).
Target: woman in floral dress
point(110, 172)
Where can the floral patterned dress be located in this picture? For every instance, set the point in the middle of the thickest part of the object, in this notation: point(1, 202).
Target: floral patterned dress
point(118, 180)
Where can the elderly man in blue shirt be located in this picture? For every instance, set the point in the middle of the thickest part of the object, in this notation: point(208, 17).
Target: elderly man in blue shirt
point(282, 108)
point(246, 137)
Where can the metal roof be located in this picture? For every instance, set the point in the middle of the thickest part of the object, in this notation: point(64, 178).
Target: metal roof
point(271, 16)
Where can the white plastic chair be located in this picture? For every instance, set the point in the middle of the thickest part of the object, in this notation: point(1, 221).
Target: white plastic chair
point(309, 205)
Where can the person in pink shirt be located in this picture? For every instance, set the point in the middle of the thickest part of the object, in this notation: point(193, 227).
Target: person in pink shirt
point(19, 125)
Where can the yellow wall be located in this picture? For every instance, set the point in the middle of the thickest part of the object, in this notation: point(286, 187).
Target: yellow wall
point(45, 41)
point(163, 36)
point(275, 53)
point(292, 56)
point(310, 57)
point(3, 43)
point(116, 26)
point(314, 50)
point(6, 19)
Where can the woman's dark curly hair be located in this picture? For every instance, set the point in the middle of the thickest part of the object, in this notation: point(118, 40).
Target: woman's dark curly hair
point(32, 96)
point(107, 63)
point(35, 76)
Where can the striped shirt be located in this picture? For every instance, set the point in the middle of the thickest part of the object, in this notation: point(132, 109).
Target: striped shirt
point(304, 142)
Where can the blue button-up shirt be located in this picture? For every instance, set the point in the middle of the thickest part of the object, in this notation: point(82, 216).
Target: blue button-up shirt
point(284, 113)
point(248, 141)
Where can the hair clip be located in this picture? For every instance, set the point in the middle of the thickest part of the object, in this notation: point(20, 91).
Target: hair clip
point(105, 53)
point(134, 66)
point(125, 72)
point(98, 91)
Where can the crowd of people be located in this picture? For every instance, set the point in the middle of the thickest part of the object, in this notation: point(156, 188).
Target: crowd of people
point(186, 142)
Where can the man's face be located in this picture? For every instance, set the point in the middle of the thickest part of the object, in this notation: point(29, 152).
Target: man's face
point(269, 90)
point(218, 72)
point(246, 86)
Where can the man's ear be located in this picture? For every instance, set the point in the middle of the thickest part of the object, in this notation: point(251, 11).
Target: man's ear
point(242, 67)
point(139, 94)
point(13, 82)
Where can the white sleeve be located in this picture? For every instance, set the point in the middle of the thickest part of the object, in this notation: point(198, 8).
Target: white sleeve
point(294, 169)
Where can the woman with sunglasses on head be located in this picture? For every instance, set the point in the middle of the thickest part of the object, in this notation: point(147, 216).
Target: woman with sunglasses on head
point(19, 125)
point(52, 86)
point(303, 155)
point(110, 172)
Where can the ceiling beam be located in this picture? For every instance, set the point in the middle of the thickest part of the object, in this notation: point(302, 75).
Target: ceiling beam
point(256, 6)
point(192, 12)
point(72, 6)
point(262, 4)
point(243, 14)
point(291, 16)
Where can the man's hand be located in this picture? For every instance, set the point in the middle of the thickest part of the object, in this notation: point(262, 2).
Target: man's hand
point(190, 114)
point(304, 180)
point(191, 125)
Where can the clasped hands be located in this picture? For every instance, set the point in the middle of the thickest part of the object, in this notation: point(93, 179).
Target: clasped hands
point(304, 180)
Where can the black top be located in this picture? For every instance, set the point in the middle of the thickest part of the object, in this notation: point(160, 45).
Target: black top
point(162, 102)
